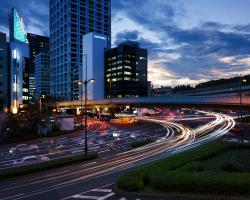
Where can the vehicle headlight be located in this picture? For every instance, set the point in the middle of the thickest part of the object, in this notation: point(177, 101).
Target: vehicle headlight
point(11, 151)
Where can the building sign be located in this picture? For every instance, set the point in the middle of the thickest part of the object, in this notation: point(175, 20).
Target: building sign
point(19, 33)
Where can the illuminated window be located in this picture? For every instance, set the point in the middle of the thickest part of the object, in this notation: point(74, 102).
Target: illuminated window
point(127, 67)
point(25, 98)
point(15, 87)
point(127, 78)
point(127, 73)
point(108, 75)
point(127, 61)
point(120, 67)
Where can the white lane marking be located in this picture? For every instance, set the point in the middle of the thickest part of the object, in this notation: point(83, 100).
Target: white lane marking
point(107, 196)
point(88, 191)
point(122, 198)
point(102, 190)
point(79, 196)
point(107, 173)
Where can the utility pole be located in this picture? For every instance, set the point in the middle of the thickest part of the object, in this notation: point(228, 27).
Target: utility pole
point(240, 113)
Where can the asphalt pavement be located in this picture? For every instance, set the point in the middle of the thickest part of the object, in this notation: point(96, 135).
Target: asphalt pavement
point(100, 140)
point(81, 179)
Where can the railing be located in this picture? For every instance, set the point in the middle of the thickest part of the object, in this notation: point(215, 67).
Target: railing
point(171, 99)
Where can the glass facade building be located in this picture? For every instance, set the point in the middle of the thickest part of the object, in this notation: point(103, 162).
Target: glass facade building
point(3, 69)
point(94, 46)
point(126, 71)
point(42, 74)
point(69, 21)
point(19, 63)
point(37, 44)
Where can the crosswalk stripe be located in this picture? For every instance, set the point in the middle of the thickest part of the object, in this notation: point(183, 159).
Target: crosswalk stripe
point(79, 196)
point(102, 190)
point(106, 196)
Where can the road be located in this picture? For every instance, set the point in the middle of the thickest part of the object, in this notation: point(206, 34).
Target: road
point(100, 139)
point(72, 181)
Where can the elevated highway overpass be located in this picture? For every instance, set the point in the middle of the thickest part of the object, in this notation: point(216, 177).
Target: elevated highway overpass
point(166, 100)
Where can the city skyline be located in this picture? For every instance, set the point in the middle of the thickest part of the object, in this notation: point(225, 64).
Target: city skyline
point(187, 43)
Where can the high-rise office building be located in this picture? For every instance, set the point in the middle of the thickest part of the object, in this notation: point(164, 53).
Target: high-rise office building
point(42, 74)
point(3, 69)
point(69, 21)
point(126, 71)
point(94, 46)
point(19, 63)
point(37, 44)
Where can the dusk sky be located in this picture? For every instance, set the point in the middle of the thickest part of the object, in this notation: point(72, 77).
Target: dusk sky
point(188, 41)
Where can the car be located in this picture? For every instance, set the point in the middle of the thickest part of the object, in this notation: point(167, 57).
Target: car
point(116, 134)
point(30, 159)
point(23, 148)
point(56, 149)
point(133, 135)
point(99, 141)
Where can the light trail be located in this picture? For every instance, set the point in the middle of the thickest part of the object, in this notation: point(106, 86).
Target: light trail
point(177, 139)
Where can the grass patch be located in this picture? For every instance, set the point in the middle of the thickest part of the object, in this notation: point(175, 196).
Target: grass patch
point(219, 169)
point(140, 143)
point(36, 167)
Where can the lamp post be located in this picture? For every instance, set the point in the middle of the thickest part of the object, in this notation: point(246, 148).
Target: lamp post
point(240, 113)
point(85, 114)
point(80, 96)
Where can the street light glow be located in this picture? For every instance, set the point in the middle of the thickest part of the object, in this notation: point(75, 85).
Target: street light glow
point(79, 82)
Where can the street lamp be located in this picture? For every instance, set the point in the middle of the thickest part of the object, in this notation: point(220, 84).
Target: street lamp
point(85, 113)
point(85, 109)
point(80, 95)
point(240, 114)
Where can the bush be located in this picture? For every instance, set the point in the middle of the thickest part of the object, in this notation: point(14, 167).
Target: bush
point(21, 170)
point(192, 167)
point(187, 173)
point(232, 167)
point(130, 182)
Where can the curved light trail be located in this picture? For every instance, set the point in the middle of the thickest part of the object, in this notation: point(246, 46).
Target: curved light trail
point(177, 138)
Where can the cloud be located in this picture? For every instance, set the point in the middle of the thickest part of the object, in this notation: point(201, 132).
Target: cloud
point(126, 35)
point(243, 28)
point(183, 46)
point(35, 14)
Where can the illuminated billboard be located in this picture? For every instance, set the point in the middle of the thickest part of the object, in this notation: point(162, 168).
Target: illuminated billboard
point(19, 33)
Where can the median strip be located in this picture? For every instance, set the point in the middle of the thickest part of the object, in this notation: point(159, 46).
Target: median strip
point(36, 167)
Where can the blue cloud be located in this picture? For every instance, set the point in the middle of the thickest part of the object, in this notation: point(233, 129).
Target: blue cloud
point(197, 48)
